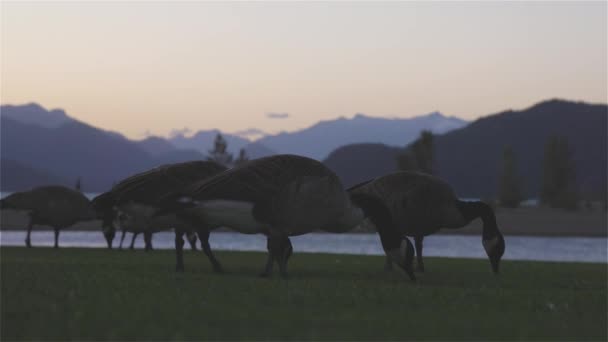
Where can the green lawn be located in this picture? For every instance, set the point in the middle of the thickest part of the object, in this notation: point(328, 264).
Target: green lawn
point(88, 294)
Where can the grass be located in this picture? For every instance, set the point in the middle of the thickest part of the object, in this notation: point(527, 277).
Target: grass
point(89, 294)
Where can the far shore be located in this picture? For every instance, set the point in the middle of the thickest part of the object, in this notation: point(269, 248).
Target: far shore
point(526, 221)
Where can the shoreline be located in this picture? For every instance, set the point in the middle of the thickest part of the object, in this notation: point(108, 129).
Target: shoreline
point(526, 221)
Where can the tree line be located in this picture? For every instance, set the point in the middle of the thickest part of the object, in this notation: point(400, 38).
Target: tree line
point(558, 186)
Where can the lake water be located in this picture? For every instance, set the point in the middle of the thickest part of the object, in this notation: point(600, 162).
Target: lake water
point(581, 249)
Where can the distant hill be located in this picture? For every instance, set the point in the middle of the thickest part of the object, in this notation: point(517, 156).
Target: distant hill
point(470, 158)
point(320, 139)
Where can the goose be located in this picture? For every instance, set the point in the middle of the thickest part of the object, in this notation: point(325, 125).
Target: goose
point(419, 204)
point(280, 196)
point(54, 205)
point(133, 201)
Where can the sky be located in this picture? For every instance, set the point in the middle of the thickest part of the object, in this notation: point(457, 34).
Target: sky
point(153, 67)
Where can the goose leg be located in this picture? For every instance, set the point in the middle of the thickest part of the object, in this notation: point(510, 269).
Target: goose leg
point(286, 252)
point(28, 241)
point(280, 249)
point(56, 237)
point(133, 241)
point(122, 238)
point(388, 264)
point(418, 245)
point(269, 261)
point(179, 250)
point(192, 239)
point(148, 240)
point(203, 235)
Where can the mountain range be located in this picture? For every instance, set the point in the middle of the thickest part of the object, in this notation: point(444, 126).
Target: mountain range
point(40, 146)
point(470, 158)
point(319, 140)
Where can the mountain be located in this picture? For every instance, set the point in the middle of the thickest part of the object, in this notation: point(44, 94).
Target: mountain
point(15, 175)
point(33, 113)
point(320, 139)
point(256, 150)
point(156, 146)
point(470, 158)
point(72, 150)
point(202, 141)
point(357, 163)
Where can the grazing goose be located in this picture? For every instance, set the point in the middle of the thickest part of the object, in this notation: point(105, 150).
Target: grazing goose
point(134, 200)
point(55, 206)
point(280, 196)
point(419, 204)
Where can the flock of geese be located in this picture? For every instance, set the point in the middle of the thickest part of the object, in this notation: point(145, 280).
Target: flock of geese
point(279, 196)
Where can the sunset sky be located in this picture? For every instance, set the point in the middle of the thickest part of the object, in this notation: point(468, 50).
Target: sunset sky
point(138, 67)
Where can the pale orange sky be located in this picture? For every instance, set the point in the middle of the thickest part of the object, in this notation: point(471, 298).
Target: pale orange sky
point(134, 67)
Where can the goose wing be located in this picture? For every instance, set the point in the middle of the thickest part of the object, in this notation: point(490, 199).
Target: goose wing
point(259, 180)
point(150, 186)
point(413, 198)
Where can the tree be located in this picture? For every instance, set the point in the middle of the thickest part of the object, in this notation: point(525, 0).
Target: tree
point(242, 159)
point(78, 185)
point(509, 192)
point(558, 187)
point(219, 154)
point(419, 155)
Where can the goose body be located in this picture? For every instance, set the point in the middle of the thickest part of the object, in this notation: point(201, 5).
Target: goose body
point(133, 202)
point(55, 206)
point(419, 204)
point(279, 196)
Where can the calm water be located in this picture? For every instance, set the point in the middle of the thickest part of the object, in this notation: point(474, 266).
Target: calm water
point(462, 246)
point(89, 195)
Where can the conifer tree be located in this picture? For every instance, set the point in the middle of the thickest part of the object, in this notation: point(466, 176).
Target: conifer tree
point(509, 192)
point(558, 187)
point(219, 154)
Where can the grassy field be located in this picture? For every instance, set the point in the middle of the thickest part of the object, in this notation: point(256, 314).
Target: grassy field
point(126, 295)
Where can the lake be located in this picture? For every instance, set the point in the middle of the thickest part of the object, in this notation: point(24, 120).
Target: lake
point(581, 249)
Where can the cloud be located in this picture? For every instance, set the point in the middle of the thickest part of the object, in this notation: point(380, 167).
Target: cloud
point(277, 115)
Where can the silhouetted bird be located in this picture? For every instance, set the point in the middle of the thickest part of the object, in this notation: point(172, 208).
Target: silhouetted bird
point(280, 196)
point(55, 206)
point(133, 202)
point(419, 204)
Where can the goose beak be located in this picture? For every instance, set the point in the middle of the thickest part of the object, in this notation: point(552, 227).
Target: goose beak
point(495, 248)
point(495, 262)
point(109, 240)
point(409, 270)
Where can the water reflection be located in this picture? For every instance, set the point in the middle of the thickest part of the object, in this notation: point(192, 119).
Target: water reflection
point(581, 249)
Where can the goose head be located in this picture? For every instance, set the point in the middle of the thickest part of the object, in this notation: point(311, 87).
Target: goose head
point(495, 248)
point(108, 229)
